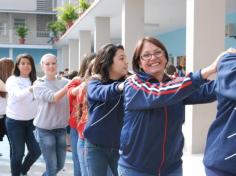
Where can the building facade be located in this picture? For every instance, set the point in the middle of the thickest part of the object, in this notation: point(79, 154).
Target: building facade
point(35, 14)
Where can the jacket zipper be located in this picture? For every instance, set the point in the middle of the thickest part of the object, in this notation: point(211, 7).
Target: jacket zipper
point(164, 141)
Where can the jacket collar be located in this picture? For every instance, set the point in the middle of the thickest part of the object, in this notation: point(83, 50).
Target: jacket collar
point(147, 77)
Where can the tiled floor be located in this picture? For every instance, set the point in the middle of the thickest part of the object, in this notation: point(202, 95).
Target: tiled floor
point(192, 164)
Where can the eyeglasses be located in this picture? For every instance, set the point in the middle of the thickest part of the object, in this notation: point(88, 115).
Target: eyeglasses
point(148, 56)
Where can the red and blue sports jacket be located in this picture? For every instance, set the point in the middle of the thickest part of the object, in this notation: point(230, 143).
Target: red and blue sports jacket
point(151, 138)
point(220, 152)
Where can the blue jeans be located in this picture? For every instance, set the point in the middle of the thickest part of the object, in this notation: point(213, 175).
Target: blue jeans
point(19, 134)
point(98, 159)
point(124, 171)
point(81, 153)
point(75, 157)
point(53, 147)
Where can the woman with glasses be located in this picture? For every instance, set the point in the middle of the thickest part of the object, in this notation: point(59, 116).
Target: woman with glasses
point(151, 138)
point(21, 110)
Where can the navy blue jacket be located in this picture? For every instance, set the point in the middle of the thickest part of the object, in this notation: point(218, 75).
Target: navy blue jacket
point(220, 152)
point(105, 115)
point(151, 138)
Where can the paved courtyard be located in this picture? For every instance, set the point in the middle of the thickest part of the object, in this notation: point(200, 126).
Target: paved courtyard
point(37, 169)
point(192, 164)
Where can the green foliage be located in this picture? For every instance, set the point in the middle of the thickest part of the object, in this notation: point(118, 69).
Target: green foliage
point(67, 13)
point(52, 27)
point(56, 27)
point(83, 5)
point(22, 31)
point(60, 26)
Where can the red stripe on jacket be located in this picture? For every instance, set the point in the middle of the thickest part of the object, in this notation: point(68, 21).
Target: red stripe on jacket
point(161, 92)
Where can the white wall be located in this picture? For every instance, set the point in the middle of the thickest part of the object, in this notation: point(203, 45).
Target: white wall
point(24, 5)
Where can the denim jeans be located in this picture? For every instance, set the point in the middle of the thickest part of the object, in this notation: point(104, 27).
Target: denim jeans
point(81, 154)
point(123, 171)
point(75, 157)
point(53, 147)
point(19, 134)
point(98, 159)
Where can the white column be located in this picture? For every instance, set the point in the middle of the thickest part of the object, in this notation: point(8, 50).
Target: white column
point(102, 32)
point(73, 55)
point(132, 24)
point(11, 27)
point(85, 43)
point(59, 60)
point(64, 58)
point(11, 52)
point(204, 41)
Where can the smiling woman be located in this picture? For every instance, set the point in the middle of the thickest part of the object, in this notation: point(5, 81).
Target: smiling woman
point(105, 101)
point(153, 59)
point(51, 118)
point(20, 112)
point(151, 141)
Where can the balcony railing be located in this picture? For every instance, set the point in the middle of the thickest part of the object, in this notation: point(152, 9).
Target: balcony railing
point(33, 37)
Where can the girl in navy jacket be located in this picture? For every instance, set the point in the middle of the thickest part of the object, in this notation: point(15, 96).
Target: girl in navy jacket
point(151, 138)
point(220, 152)
point(105, 101)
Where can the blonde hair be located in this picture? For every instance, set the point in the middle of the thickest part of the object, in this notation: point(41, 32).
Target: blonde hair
point(45, 56)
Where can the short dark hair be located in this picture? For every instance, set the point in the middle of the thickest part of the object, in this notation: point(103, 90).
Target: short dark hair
point(171, 69)
point(104, 60)
point(72, 74)
point(16, 71)
point(138, 50)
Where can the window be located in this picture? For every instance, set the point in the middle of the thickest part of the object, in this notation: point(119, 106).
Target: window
point(3, 29)
point(19, 22)
point(42, 21)
point(44, 5)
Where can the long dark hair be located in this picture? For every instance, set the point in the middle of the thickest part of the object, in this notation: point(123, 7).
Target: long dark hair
point(16, 71)
point(84, 105)
point(85, 63)
point(104, 60)
point(6, 67)
point(138, 50)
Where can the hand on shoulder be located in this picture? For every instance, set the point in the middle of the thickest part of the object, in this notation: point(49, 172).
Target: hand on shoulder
point(97, 77)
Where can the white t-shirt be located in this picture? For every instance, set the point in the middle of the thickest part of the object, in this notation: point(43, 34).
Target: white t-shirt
point(21, 104)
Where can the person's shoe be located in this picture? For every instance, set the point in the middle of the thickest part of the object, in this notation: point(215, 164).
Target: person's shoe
point(68, 148)
point(0, 154)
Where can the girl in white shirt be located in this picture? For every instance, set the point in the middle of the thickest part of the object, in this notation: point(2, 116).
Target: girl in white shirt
point(20, 112)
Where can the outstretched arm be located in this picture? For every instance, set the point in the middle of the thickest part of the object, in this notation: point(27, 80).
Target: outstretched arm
point(226, 75)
